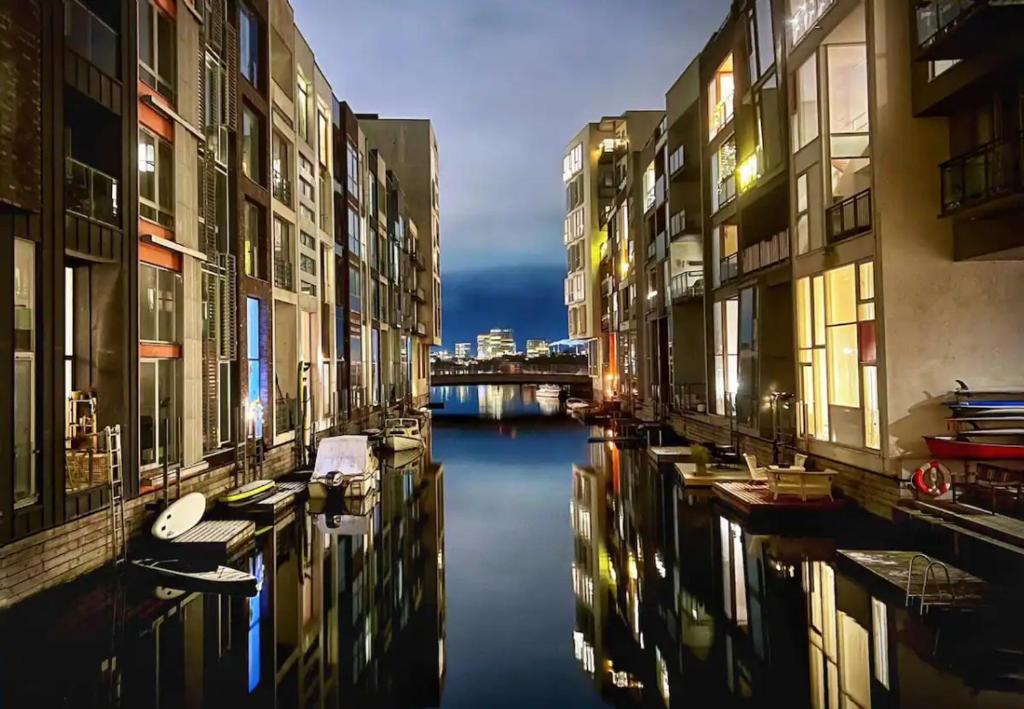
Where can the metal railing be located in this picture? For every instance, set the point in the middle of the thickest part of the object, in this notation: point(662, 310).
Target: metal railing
point(728, 267)
point(935, 17)
point(720, 115)
point(986, 172)
point(90, 37)
point(676, 160)
point(283, 272)
point(726, 190)
point(90, 193)
point(687, 284)
point(849, 217)
point(677, 223)
point(649, 197)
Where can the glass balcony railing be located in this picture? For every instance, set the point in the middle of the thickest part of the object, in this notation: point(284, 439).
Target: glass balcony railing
point(282, 188)
point(676, 160)
point(687, 284)
point(988, 171)
point(937, 16)
point(721, 114)
point(649, 197)
point(728, 267)
point(849, 217)
point(726, 191)
point(90, 193)
point(90, 37)
point(283, 272)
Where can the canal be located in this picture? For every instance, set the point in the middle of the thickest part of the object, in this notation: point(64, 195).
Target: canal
point(517, 565)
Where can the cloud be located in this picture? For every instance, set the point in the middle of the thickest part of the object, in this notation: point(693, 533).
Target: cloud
point(507, 84)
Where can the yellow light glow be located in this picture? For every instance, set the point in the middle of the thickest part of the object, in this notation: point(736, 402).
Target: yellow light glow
point(747, 172)
point(624, 267)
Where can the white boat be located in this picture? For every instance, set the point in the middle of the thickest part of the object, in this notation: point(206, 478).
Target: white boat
point(402, 434)
point(219, 579)
point(344, 464)
point(548, 391)
point(577, 404)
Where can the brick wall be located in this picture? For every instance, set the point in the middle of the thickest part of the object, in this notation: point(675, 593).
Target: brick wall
point(60, 554)
point(875, 492)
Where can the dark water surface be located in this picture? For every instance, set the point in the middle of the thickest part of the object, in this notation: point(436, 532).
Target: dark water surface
point(516, 565)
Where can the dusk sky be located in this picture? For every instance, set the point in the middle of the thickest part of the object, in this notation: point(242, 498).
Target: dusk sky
point(507, 84)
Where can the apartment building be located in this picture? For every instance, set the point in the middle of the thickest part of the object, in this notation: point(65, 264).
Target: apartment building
point(536, 348)
point(496, 343)
point(184, 224)
point(799, 288)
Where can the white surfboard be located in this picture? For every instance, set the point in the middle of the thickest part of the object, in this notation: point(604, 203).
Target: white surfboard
point(179, 517)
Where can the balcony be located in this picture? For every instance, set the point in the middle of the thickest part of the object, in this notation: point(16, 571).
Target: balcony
point(728, 268)
point(676, 161)
point(659, 191)
point(721, 114)
point(974, 179)
point(90, 38)
point(955, 29)
point(90, 193)
point(282, 188)
point(687, 285)
point(217, 143)
point(678, 225)
point(283, 272)
point(726, 191)
point(649, 198)
point(766, 253)
point(849, 217)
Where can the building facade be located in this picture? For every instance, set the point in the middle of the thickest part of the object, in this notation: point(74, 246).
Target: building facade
point(537, 348)
point(189, 215)
point(789, 277)
point(494, 344)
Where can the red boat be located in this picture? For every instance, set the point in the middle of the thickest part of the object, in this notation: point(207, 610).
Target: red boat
point(950, 447)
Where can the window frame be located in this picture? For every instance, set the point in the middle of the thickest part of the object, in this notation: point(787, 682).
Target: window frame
point(149, 73)
point(159, 212)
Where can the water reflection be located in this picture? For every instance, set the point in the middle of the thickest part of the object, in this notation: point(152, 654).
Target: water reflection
point(495, 402)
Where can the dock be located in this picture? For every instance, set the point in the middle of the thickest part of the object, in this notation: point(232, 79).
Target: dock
point(712, 474)
point(211, 540)
point(894, 568)
point(284, 497)
point(668, 454)
point(755, 499)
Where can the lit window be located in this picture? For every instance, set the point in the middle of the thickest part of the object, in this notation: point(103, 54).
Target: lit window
point(805, 115)
point(803, 222)
point(159, 295)
point(849, 137)
point(251, 146)
point(156, 179)
point(25, 487)
point(721, 91)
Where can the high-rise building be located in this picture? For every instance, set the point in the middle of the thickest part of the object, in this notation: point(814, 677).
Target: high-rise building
point(463, 350)
point(537, 348)
point(496, 343)
point(208, 249)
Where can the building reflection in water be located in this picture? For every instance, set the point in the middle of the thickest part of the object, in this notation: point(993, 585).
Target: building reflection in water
point(680, 604)
point(341, 619)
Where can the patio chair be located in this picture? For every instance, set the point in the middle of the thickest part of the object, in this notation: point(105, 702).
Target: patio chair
point(758, 473)
point(800, 460)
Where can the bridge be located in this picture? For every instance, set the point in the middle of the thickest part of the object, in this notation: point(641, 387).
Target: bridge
point(473, 378)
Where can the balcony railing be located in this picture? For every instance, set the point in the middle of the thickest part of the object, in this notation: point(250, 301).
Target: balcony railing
point(282, 187)
point(659, 191)
point(283, 272)
point(649, 197)
point(691, 397)
point(986, 172)
point(766, 253)
point(90, 37)
point(720, 115)
point(726, 191)
point(90, 193)
point(677, 223)
point(687, 284)
point(935, 17)
point(728, 268)
point(849, 217)
point(676, 160)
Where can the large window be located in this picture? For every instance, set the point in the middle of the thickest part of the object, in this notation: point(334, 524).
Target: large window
point(159, 295)
point(156, 178)
point(838, 356)
point(723, 175)
point(356, 369)
point(159, 411)
point(352, 168)
point(283, 264)
point(849, 146)
point(157, 42)
point(252, 239)
point(764, 36)
point(323, 138)
point(254, 414)
point(725, 314)
point(355, 290)
point(248, 45)
point(803, 220)
point(355, 242)
point(24, 371)
point(281, 172)
point(302, 108)
point(805, 107)
point(251, 144)
point(721, 90)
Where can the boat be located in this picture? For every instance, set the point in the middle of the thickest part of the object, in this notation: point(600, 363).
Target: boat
point(350, 517)
point(178, 575)
point(178, 517)
point(401, 434)
point(249, 493)
point(575, 405)
point(549, 391)
point(344, 464)
point(963, 390)
point(401, 460)
point(952, 448)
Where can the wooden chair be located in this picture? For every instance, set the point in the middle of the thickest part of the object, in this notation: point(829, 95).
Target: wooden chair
point(758, 473)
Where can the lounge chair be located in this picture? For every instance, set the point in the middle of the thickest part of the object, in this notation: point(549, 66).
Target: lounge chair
point(793, 480)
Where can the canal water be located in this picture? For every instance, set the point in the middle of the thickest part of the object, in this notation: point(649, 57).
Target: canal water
point(517, 565)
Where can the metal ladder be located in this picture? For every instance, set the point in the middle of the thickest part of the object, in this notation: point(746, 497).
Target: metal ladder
point(947, 598)
point(118, 536)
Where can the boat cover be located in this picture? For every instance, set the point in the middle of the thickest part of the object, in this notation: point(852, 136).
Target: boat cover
point(348, 455)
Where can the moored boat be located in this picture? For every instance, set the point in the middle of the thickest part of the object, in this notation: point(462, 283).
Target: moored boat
point(219, 579)
point(344, 464)
point(549, 391)
point(402, 434)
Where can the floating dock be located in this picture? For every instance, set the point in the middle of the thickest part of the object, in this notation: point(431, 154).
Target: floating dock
point(284, 497)
point(669, 454)
point(711, 475)
point(755, 499)
point(212, 540)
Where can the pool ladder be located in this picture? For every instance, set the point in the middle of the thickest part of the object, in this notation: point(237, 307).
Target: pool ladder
point(939, 597)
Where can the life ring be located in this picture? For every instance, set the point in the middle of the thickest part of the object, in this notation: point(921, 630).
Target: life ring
point(932, 479)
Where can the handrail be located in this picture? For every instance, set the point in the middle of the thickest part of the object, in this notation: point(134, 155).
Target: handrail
point(849, 217)
point(82, 196)
point(935, 17)
point(981, 173)
point(85, 34)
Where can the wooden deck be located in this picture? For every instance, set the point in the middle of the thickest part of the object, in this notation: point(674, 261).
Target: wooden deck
point(1009, 530)
point(668, 454)
point(286, 494)
point(212, 539)
point(693, 479)
point(754, 498)
point(894, 567)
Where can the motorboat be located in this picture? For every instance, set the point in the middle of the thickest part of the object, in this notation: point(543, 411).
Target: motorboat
point(344, 465)
point(401, 460)
point(402, 434)
point(549, 391)
point(574, 405)
point(178, 575)
point(950, 447)
point(350, 517)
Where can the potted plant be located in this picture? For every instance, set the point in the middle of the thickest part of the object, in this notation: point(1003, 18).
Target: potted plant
point(700, 456)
